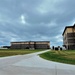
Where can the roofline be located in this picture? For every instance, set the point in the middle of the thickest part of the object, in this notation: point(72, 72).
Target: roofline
point(68, 27)
point(29, 41)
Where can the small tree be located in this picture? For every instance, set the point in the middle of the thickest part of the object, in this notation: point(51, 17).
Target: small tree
point(53, 47)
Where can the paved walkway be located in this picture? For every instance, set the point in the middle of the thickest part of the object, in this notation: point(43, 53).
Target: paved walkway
point(32, 64)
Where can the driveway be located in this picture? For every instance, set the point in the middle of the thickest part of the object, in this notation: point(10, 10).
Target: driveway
point(32, 64)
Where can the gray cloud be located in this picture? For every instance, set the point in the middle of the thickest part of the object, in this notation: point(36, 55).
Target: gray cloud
point(22, 20)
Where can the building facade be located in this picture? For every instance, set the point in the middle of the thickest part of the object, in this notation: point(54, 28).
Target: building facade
point(69, 37)
point(30, 45)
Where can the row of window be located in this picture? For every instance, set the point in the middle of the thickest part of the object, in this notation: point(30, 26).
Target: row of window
point(30, 46)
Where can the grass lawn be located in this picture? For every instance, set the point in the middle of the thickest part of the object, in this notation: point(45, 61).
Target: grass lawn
point(67, 56)
point(11, 52)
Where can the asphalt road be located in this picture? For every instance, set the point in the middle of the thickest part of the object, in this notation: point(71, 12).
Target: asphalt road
point(32, 64)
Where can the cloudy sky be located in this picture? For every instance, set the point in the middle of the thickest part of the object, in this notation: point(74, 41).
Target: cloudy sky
point(35, 20)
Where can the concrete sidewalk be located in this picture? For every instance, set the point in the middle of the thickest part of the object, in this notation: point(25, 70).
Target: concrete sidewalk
point(32, 64)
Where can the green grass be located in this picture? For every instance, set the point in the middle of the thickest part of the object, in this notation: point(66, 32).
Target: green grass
point(11, 52)
point(67, 56)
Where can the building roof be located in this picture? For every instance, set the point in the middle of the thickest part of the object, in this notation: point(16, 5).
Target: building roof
point(29, 41)
point(68, 27)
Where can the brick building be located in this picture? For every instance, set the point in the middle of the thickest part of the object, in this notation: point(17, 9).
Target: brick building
point(31, 45)
point(69, 37)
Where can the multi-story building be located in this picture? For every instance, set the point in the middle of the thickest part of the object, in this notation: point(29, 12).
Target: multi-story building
point(31, 45)
point(69, 37)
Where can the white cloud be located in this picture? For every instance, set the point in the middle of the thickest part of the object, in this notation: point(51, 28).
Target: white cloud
point(13, 39)
point(23, 21)
point(59, 38)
